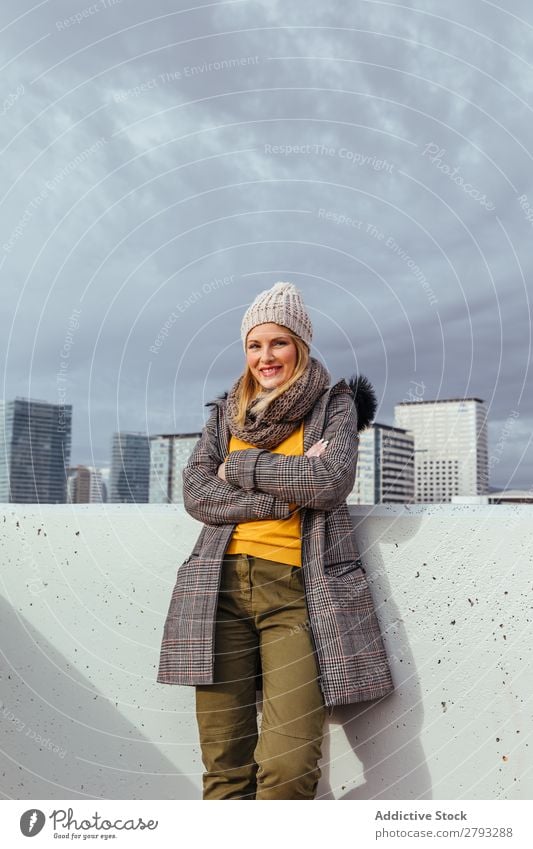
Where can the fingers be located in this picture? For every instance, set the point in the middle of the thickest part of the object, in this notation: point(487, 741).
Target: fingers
point(318, 448)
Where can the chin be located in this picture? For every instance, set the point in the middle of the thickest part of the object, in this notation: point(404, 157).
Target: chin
point(270, 384)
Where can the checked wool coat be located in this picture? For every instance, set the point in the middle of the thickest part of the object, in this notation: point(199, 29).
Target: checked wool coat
point(260, 484)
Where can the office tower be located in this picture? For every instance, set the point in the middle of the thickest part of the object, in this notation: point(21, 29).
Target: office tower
point(85, 486)
point(98, 493)
point(385, 466)
point(168, 456)
point(451, 453)
point(130, 468)
point(35, 441)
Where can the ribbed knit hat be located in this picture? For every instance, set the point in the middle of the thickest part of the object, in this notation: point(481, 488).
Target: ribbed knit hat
point(282, 304)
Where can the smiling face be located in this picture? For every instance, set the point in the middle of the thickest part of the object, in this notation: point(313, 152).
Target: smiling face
point(271, 354)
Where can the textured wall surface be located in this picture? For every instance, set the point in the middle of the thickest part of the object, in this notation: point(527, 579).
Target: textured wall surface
point(84, 593)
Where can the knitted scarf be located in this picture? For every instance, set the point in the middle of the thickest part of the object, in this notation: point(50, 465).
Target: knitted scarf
point(284, 414)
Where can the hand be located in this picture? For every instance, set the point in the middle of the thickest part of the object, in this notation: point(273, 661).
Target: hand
point(317, 449)
point(221, 472)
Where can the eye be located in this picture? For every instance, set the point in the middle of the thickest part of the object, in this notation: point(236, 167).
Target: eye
point(255, 345)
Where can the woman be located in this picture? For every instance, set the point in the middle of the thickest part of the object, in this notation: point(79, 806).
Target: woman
point(274, 586)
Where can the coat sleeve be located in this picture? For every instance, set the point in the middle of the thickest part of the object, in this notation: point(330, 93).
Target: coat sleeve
point(213, 501)
point(320, 483)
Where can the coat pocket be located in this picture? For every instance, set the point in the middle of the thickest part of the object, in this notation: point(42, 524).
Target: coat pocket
point(356, 623)
point(346, 567)
point(348, 589)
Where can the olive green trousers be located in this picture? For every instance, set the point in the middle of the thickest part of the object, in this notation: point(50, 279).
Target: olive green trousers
point(262, 613)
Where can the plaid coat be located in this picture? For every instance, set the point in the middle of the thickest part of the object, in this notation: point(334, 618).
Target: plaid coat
point(260, 484)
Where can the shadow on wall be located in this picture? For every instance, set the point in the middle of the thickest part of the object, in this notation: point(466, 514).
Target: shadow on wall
point(381, 737)
point(61, 738)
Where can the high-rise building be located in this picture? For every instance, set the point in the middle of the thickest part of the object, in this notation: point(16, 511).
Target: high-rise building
point(35, 441)
point(130, 468)
point(385, 466)
point(168, 456)
point(451, 451)
point(78, 485)
point(98, 492)
point(85, 486)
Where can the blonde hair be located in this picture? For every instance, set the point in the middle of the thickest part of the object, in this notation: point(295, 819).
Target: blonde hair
point(250, 387)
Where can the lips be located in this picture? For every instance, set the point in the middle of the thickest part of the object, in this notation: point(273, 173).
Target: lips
point(270, 371)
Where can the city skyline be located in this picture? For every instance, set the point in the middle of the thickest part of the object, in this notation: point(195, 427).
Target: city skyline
point(380, 162)
point(162, 439)
point(451, 434)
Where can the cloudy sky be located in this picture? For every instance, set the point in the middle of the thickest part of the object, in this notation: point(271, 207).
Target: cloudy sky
point(162, 163)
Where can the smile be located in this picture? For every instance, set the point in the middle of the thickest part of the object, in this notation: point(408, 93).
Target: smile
point(270, 371)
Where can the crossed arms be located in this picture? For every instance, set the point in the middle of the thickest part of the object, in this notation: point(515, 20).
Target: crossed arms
point(261, 484)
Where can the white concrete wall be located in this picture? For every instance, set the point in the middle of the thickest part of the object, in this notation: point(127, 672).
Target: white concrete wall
point(84, 593)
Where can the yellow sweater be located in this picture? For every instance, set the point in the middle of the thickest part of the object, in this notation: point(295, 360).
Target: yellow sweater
point(272, 539)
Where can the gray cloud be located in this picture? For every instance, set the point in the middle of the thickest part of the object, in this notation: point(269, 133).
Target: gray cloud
point(141, 172)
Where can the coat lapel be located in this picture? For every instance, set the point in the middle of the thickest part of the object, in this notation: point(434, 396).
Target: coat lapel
point(314, 421)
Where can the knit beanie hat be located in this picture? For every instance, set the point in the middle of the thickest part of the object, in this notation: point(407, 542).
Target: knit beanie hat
point(282, 304)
